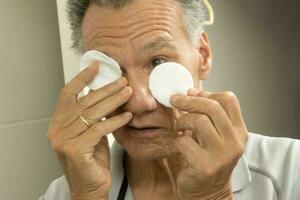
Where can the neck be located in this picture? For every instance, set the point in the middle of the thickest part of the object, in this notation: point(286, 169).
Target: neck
point(154, 175)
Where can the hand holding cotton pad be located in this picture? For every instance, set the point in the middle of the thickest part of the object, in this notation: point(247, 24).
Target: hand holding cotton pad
point(168, 79)
point(109, 70)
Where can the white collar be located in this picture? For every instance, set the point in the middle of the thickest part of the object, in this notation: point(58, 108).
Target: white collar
point(241, 177)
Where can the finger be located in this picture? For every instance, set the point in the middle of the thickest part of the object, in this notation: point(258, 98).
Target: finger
point(230, 103)
point(107, 106)
point(68, 96)
point(98, 95)
point(94, 134)
point(81, 80)
point(202, 128)
point(98, 111)
point(206, 106)
point(73, 112)
point(190, 150)
point(102, 154)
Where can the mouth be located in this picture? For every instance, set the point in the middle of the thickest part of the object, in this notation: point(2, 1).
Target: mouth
point(145, 132)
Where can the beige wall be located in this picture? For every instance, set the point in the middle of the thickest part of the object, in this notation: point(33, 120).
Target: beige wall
point(256, 55)
point(30, 79)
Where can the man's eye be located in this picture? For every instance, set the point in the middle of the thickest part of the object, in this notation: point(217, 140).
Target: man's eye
point(157, 61)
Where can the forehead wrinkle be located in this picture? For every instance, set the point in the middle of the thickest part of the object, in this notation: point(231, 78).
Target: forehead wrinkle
point(102, 37)
point(152, 28)
point(122, 29)
point(158, 43)
point(118, 32)
point(163, 21)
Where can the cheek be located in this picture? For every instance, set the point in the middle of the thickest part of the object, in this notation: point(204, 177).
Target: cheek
point(192, 62)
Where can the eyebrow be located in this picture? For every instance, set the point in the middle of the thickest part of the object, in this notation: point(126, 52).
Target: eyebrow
point(158, 43)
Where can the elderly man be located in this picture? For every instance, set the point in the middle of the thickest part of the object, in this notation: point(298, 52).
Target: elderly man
point(199, 149)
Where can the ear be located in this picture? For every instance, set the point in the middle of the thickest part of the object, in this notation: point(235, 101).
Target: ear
point(206, 55)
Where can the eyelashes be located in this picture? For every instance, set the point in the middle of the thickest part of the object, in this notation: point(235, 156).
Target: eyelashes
point(157, 61)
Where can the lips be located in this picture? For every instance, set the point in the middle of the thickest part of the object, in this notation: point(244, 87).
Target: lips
point(144, 127)
point(145, 131)
point(141, 126)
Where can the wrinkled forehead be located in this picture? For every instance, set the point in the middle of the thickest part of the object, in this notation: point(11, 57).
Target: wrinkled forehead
point(134, 23)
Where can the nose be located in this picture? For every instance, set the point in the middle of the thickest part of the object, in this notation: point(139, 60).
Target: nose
point(141, 100)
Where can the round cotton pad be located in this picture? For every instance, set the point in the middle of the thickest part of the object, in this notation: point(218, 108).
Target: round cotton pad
point(109, 70)
point(168, 79)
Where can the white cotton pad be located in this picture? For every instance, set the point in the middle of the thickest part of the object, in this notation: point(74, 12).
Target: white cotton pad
point(168, 79)
point(109, 70)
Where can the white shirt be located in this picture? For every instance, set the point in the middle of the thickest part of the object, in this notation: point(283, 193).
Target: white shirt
point(268, 170)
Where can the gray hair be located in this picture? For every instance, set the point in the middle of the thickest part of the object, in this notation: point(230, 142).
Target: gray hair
point(194, 15)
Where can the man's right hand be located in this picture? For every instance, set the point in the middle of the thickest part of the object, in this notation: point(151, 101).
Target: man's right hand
point(83, 152)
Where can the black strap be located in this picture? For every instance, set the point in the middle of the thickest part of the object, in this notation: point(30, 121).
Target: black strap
point(123, 189)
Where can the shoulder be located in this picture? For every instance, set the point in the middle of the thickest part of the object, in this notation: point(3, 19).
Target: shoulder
point(276, 159)
point(260, 150)
point(58, 190)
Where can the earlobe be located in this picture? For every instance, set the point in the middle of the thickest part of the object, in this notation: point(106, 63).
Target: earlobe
point(206, 55)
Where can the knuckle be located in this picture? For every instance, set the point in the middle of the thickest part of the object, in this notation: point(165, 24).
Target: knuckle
point(202, 121)
point(214, 107)
point(230, 98)
point(70, 150)
point(66, 89)
point(57, 146)
point(239, 150)
point(90, 115)
point(244, 135)
point(83, 102)
point(50, 135)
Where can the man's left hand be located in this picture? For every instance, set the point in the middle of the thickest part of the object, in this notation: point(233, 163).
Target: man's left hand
point(218, 138)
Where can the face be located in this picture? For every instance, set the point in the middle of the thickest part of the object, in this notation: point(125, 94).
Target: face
point(139, 37)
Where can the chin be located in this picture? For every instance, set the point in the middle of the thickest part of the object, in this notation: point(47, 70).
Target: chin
point(144, 153)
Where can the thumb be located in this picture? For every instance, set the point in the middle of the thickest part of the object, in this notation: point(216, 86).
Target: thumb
point(102, 153)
